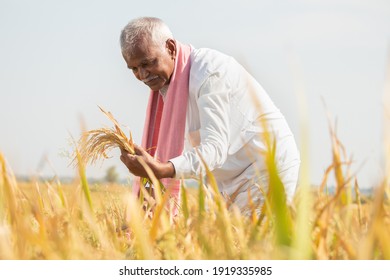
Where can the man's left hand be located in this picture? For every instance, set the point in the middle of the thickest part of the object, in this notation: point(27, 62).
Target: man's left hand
point(160, 170)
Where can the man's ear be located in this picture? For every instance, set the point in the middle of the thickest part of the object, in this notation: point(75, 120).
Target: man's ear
point(171, 46)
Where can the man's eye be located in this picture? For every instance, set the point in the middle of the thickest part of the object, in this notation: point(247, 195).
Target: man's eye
point(149, 63)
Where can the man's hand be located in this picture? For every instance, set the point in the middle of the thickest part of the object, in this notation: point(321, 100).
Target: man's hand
point(160, 170)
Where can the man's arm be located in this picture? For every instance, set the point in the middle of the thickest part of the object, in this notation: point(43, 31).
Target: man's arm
point(213, 103)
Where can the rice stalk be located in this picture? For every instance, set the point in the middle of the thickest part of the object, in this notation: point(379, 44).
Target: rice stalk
point(279, 212)
point(223, 218)
point(239, 229)
point(359, 203)
point(201, 200)
point(95, 144)
point(61, 195)
point(338, 151)
point(184, 203)
point(302, 249)
point(83, 179)
point(370, 242)
point(386, 122)
point(276, 195)
point(265, 220)
point(142, 242)
point(8, 213)
point(283, 220)
point(8, 185)
point(159, 217)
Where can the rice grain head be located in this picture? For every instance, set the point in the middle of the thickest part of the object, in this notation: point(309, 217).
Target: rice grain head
point(94, 145)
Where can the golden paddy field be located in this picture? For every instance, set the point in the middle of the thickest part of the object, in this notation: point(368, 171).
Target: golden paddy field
point(49, 220)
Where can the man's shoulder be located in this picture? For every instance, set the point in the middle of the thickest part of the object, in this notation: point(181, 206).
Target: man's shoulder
point(202, 56)
point(200, 52)
point(206, 62)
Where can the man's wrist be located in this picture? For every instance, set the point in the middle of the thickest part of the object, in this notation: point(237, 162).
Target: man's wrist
point(165, 170)
point(173, 170)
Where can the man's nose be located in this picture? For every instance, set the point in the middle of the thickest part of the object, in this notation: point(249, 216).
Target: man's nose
point(143, 73)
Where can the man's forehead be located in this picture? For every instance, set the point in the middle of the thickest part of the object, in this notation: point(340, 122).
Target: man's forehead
point(143, 52)
point(136, 60)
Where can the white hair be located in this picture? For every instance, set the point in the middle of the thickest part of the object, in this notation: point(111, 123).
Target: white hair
point(144, 29)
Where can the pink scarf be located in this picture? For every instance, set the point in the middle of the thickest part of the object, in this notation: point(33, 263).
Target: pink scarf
point(165, 122)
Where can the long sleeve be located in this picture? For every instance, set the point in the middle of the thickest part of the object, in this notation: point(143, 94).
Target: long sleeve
point(213, 103)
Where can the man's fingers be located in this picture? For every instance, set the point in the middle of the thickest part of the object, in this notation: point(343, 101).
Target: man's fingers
point(123, 152)
point(138, 149)
point(127, 157)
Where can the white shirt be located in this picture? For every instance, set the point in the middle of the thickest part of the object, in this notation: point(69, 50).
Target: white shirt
point(223, 122)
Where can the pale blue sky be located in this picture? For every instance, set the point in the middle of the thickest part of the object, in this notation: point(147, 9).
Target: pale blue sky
point(60, 59)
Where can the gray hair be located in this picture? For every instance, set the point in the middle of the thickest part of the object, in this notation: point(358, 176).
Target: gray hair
point(149, 29)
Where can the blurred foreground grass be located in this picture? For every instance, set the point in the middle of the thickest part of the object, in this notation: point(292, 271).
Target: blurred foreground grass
point(77, 221)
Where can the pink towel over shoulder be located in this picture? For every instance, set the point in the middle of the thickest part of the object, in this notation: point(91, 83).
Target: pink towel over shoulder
point(163, 135)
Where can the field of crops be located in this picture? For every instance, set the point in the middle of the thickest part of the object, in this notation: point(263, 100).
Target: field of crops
point(49, 220)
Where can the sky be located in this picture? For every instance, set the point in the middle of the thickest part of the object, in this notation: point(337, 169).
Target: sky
point(59, 60)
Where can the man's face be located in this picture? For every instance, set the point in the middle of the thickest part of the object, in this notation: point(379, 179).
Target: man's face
point(152, 64)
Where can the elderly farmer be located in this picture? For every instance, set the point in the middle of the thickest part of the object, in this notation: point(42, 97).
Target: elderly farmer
point(203, 104)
